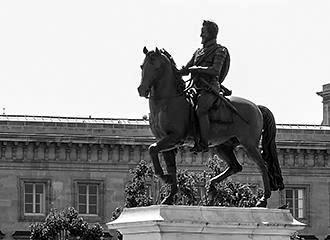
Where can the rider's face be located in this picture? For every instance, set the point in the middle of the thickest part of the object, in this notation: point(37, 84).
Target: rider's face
point(205, 35)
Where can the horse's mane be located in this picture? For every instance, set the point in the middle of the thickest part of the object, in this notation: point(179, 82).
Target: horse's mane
point(180, 82)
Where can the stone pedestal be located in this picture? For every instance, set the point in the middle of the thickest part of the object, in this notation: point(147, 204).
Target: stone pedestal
point(162, 222)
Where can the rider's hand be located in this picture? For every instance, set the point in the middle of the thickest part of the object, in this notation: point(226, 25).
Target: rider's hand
point(194, 69)
point(184, 71)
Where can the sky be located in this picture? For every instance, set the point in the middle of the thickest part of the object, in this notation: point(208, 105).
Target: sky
point(82, 58)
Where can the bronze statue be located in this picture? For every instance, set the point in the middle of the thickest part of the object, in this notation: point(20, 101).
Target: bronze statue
point(171, 122)
point(208, 67)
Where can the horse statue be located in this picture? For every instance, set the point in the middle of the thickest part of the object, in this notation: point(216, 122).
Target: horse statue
point(171, 123)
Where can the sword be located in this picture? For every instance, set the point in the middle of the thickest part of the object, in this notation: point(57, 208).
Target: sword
point(228, 103)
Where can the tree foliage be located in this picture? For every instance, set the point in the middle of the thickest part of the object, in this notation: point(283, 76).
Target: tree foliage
point(66, 220)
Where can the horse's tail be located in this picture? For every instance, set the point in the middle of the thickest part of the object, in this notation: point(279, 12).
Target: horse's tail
point(269, 153)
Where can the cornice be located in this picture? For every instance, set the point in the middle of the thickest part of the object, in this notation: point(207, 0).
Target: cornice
point(67, 166)
point(303, 145)
point(70, 138)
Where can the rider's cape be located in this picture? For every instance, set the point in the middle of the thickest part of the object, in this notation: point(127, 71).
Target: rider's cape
point(225, 66)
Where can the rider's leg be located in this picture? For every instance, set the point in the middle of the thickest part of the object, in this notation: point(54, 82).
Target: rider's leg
point(204, 125)
point(205, 102)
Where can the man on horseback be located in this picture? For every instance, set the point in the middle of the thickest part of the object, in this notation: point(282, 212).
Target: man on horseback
point(208, 67)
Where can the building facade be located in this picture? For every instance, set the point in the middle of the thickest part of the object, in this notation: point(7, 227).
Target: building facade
point(56, 162)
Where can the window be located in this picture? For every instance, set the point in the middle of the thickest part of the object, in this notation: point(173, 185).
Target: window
point(34, 198)
point(296, 199)
point(88, 196)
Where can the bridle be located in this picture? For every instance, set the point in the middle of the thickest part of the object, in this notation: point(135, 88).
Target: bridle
point(160, 70)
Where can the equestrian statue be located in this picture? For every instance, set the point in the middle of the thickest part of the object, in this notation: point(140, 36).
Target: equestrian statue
point(204, 112)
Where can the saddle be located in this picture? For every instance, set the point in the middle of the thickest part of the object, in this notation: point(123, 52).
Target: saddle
point(220, 112)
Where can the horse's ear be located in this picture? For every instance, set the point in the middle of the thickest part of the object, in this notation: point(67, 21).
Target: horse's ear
point(157, 50)
point(145, 50)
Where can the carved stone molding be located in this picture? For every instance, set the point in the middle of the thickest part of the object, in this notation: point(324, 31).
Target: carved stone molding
point(17, 151)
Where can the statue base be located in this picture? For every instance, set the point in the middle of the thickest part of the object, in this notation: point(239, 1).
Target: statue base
point(164, 222)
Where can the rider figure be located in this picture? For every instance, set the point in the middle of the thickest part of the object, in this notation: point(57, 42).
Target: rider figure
point(210, 63)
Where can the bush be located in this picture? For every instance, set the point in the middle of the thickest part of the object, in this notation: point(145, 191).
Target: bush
point(136, 191)
point(66, 220)
point(191, 187)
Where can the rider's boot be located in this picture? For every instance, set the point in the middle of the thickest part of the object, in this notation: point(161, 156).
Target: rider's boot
point(204, 126)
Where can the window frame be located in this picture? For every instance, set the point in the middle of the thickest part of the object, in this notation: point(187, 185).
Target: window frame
point(42, 207)
point(47, 199)
point(100, 198)
point(306, 200)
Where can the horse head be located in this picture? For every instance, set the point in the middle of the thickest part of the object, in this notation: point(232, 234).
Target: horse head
point(154, 65)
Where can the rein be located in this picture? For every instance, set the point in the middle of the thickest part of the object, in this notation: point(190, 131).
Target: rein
point(184, 93)
point(167, 97)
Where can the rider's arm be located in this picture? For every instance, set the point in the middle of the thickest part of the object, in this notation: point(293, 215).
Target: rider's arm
point(215, 68)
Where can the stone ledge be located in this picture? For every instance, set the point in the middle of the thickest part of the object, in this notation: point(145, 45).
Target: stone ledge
point(196, 222)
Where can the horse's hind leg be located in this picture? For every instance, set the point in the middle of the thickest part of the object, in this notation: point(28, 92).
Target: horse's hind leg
point(226, 152)
point(255, 155)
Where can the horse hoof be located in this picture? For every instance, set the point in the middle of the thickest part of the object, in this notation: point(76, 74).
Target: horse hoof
point(212, 181)
point(262, 202)
point(168, 200)
point(210, 199)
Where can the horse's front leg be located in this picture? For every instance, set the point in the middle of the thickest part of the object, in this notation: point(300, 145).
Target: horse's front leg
point(153, 151)
point(166, 143)
point(170, 177)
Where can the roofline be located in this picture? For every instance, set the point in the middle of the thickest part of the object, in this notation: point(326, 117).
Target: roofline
point(62, 117)
point(126, 121)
